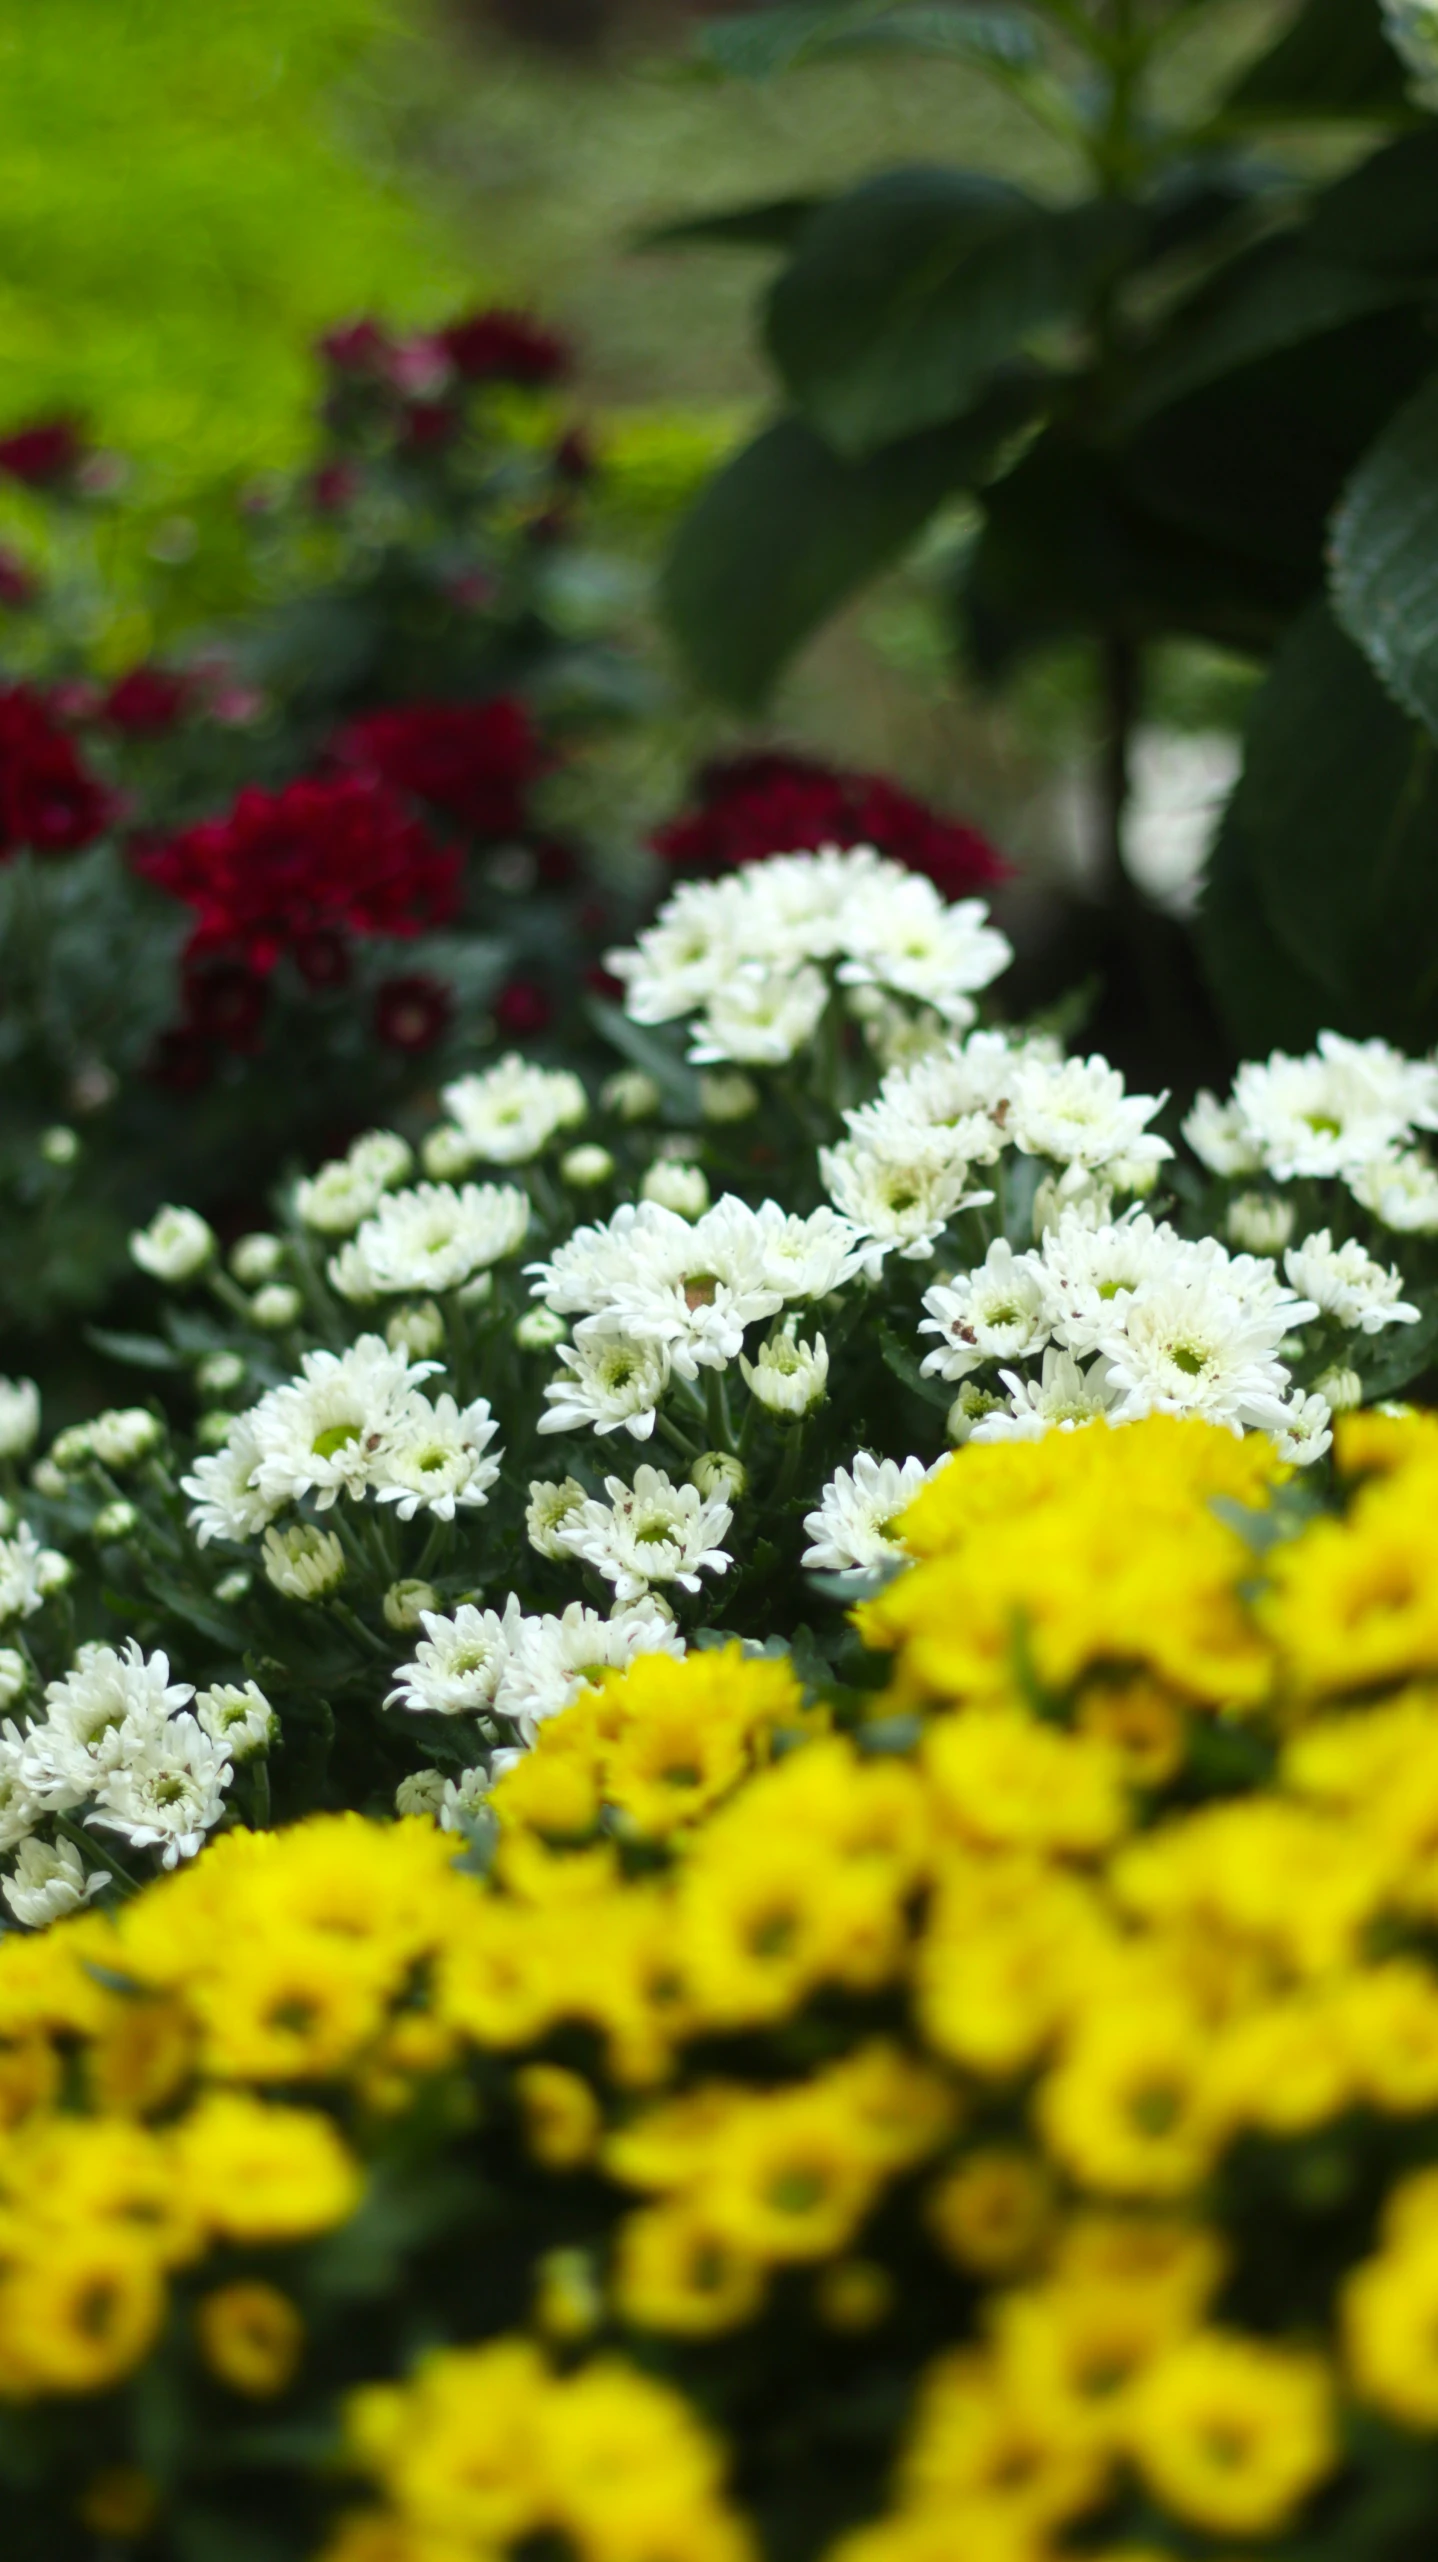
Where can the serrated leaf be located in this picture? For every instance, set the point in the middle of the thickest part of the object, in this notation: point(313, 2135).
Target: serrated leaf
point(772, 223)
point(909, 293)
point(1384, 556)
point(1333, 59)
point(137, 1351)
point(788, 531)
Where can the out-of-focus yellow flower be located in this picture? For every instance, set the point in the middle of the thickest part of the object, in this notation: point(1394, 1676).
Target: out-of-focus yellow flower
point(251, 2337)
point(1231, 2433)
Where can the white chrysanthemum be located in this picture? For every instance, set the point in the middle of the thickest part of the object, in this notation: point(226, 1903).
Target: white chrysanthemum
point(677, 1186)
point(20, 1809)
point(433, 1237)
point(657, 1278)
point(1305, 1431)
point(167, 1793)
point(322, 1433)
point(28, 1574)
point(859, 1511)
point(1000, 1312)
point(459, 1661)
point(507, 1114)
point(1191, 1345)
point(1061, 1400)
point(759, 1018)
point(1091, 1272)
point(1260, 1222)
point(175, 1246)
point(303, 1563)
point(238, 1716)
point(19, 1416)
point(104, 1709)
point(50, 1880)
point(898, 1204)
point(1219, 1138)
point(123, 1435)
point(14, 1676)
point(551, 1508)
point(610, 1382)
point(652, 1532)
point(1335, 1110)
point(906, 939)
point(437, 1459)
point(551, 1661)
point(683, 956)
point(350, 1188)
point(1401, 1190)
point(463, 1800)
point(1077, 1112)
point(808, 1258)
point(788, 1377)
point(1347, 1284)
point(224, 1489)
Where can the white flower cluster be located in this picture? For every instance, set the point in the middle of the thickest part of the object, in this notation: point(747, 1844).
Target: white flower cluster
point(432, 1237)
point(506, 1115)
point(29, 1574)
point(657, 1295)
point(1165, 1325)
point(649, 1533)
point(1350, 1111)
point(856, 1523)
point(491, 1664)
point(750, 955)
point(353, 1423)
point(349, 1188)
point(903, 1172)
point(119, 1745)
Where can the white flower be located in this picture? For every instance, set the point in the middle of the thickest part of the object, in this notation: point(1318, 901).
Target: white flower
point(463, 1800)
point(654, 1277)
point(324, 1433)
point(1076, 1111)
point(721, 1473)
point(104, 1710)
point(445, 1153)
point(115, 1521)
point(125, 1434)
point(435, 1459)
point(276, 1306)
point(303, 1563)
point(1190, 1344)
point(1073, 1195)
point(219, 1372)
point(998, 1313)
point(350, 1188)
point(175, 1246)
point(903, 937)
point(584, 1167)
point(458, 1663)
point(167, 1793)
point(20, 1809)
point(256, 1258)
point(19, 1416)
point(1346, 1284)
point(1340, 1388)
point(550, 1510)
point(759, 1017)
point(433, 1237)
point(49, 1881)
point(1335, 1110)
point(421, 1792)
point(728, 1098)
point(901, 1203)
point(237, 1715)
point(1061, 1400)
point(1401, 1190)
point(539, 1330)
point(859, 1512)
point(630, 1095)
point(806, 1258)
point(1261, 1222)
point(650, 1532)
point(28, 1574)
point(510, 1112)
point(612, 1381)
point(224, 1490)
point(551, 1661)
point(1090, 1274)
point(788, 1378)
point(1304, 1431)
point(1218, 1137)
point(684, 1189)
point(417, 1331)
point(14, 1676)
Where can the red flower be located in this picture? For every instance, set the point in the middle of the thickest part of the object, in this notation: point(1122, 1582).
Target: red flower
point(146, 702)
point(412, 1012)
point(47, 799)
point(333, 488)
point(474, 761)
point(18, 587)
point(427, 425)
point(225, 1001)
point(360, 347)
point(42, 454)
point(752, 806)
point(504, 347)
point(522, 1009)
point(341, 856)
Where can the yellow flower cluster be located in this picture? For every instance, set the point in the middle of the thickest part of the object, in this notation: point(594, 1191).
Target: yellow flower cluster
point(1126, 1882)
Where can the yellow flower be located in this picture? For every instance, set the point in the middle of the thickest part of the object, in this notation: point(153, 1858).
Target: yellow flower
point(64, 2171)
point(1140, 1719)
point(1390, 2026)
point(992, 2211)
point(1073, 2353)
point(974, 2441)
point(1231, 2433)
point(555, 1788)
point(765, 1916)
point(1005, 1781)
point(567, 2301)
point(1130, 2107)
point(1390, 2331)
point(119, 2502)
point(1009, 1949)
point(854, 2295)
point(1356, 1602)
point(793, 2179)
point(562, 2117)
point(1143, 2253)
point(1285, 2067)
point(251, 2337)
point(288, 2007)
point(257, 2172)
point(673, 2273)
point(79, 2313)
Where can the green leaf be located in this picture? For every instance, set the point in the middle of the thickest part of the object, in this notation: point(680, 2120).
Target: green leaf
point(774, 222)
point(1333, 60)
point(1277, 296)
point(1339, 803)
point(137, 1351)
point(771, 40)
point(1384, 556)
point(786, 532)
point(651, 1051)
point(908, 294)
point(1263, 999)
point(903, 1361)
point(1401, 1355)
point(947, 32)
point(1385, 213)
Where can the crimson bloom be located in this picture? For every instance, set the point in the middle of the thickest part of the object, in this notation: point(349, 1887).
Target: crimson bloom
point(18, 585)
point(41, 454)
point(48, 800)
point(474, 761)
point(504, 347)
point(413, 1011)
point(147, 701)
point(286, 871)
point(771, 803)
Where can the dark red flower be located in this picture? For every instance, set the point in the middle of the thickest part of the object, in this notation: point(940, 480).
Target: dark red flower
point(360, 347)
point(504, 347)
point(428, 425)
point(322, 959)
point(43, 454)
point(47, 799)
point(753, 806)
point(334, 857)
point(225, 1002)
point(522, 1009)
point(474, 761)
point(333, 488)
point(18, 586)
point(574, 458)
point(146, 702)
point(412, 1012)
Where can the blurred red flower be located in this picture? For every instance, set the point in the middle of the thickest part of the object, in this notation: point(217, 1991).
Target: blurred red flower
point(18, 585)
point(771, 803)
point(42, 454)
point(504, 346)
point(412, 1012)
point(522, 1009)
point(48, 800)
point(146, 701)
point(474, 761)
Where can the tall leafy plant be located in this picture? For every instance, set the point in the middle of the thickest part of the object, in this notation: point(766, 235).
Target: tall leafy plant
point(1195, 398)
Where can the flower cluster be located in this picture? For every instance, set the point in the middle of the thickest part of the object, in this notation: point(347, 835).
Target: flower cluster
point(748, 806)
point(48, 801)
point(471, 761)
point(1350, 1112)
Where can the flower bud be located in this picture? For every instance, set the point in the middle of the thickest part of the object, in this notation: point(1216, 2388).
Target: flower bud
point(213, 1429)
point(115, 1521)
point(549, 1508)
point(303, 1563)
point(630, 1095)
point(421, 1793)
point(728, 1098)
point(238, 1715)
point(123, 1435)
point(788, 1378)
point(19, 1416)
point(1259, 1222)
point(14, 1676)
point(175, 1246)
point(584, 1167)
point(718, 1472)
point(59, 1146)
point(539, 1329)
point(417, 1330)
point(256, 1258)
point(445, 1153)
point(1342, 1388)
point(276, 1306)
point(406, 1602)
point(70, 1450)
point(233, 1587)
point(219, 1372)
point(681, 1188)
point(49, 1480)
point(969, 1407)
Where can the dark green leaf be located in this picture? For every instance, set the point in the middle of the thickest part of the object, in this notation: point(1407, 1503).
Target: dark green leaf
point(197, 1612)
point(1385, 214)
point(1332, 60)
point(904, 1363)
point(1402, 1353)
point(774, 223)
point(907, 295)
point(1279, 295)
point(676, 1080)
point(788, 531)
point(771, 40)
point(137, 1351)
point(947, 32)
point(1385, 556)
point(1264, 1000)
